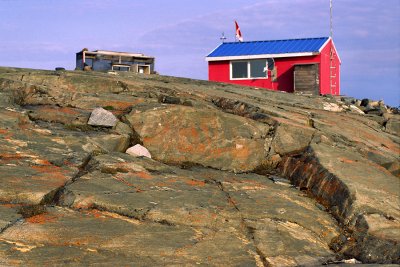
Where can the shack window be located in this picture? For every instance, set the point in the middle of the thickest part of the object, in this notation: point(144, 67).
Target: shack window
point(258, 68)
point(239, 69)
point(271, 63)
point(251, 69)
point(120, 68)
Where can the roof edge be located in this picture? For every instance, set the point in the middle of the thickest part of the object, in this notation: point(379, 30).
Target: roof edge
point(337, 53)
point(273, 40)
point(243, 57)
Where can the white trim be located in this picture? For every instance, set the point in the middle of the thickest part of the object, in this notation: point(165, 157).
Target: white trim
point(120, 65)
point(337, 53)
point(262, 56)
point(119, 54)
point(333, 44)
point(215, 49)
point(323, 46)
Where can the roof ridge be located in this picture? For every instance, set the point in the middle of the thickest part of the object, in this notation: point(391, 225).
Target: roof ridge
point(275, 40)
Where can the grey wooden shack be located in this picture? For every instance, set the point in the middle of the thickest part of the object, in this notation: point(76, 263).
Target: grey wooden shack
point(103, 60)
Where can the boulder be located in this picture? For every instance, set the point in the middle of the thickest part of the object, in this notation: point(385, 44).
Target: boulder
point(292, 139)
point(138, 151)
point(375, 110)
point(179, 134)
point(102, 117)
point(110, 142)
point(393, 126)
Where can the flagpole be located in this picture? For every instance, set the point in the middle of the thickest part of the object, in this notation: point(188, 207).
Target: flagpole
point(234, 38)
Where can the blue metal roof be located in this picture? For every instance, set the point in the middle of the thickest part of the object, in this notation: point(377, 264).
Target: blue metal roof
point(269, 47)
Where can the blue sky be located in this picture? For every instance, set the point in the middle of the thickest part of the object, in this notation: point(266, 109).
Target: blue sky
point(46, 34)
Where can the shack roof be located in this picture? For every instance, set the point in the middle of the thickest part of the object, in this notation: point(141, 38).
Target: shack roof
point(271, 48)
point(114, 53)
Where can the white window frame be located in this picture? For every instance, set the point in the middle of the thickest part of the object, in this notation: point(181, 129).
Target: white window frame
point(248, 71)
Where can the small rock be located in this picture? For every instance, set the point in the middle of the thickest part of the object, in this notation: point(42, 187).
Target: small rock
point(169, 99)
point(351, 261)
point(187, 103)
point(87, 68)
point(138, 151)
point(280, 180)
point(348, 100)
point(374, 110)
point(356, 109)
point(365, 102)
point(332, 107)
point(373, 103)
point(123, 128)
point(102, 117)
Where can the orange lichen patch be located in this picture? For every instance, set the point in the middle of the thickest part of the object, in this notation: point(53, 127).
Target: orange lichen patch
point(241, 153)
point(42, 162)
point(56, 174)
point(7, 134)
point(232, 202)
point(346, 160)
point(55, 110)
point(144, 175)
point(117, 112)
point(97, 214)
point(118, 105)
point(41, 218)
point(9, 156)
point(187, 148)
point(84, 203)
point(24, 124)
point(189, 132)
point(172, 180)
point(161, 184)
point(68, 163)
point(69, 111)
point(122, 180)
point(195, 183)
point(7, 205)
point(120, 217)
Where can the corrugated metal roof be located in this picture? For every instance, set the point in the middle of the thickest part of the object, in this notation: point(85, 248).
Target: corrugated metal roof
point(269, 47)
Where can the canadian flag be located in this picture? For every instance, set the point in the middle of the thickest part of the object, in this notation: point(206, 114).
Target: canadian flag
point(238, 32)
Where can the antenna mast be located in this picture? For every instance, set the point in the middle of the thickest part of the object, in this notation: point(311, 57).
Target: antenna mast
point(332, 66)
point(331, 24)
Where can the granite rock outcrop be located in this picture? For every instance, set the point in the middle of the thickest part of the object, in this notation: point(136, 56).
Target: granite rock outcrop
point(237, 176)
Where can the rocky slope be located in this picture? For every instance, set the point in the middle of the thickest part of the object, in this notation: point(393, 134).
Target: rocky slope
point(238, 176)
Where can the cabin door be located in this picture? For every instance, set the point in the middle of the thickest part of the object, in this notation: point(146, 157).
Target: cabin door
point(306, 79)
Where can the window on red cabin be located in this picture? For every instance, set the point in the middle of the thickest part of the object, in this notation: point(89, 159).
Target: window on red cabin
point(250, 69)
point(258, 68)
point(239, 69)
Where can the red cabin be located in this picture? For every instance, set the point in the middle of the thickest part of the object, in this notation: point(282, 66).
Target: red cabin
point(310, 65)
